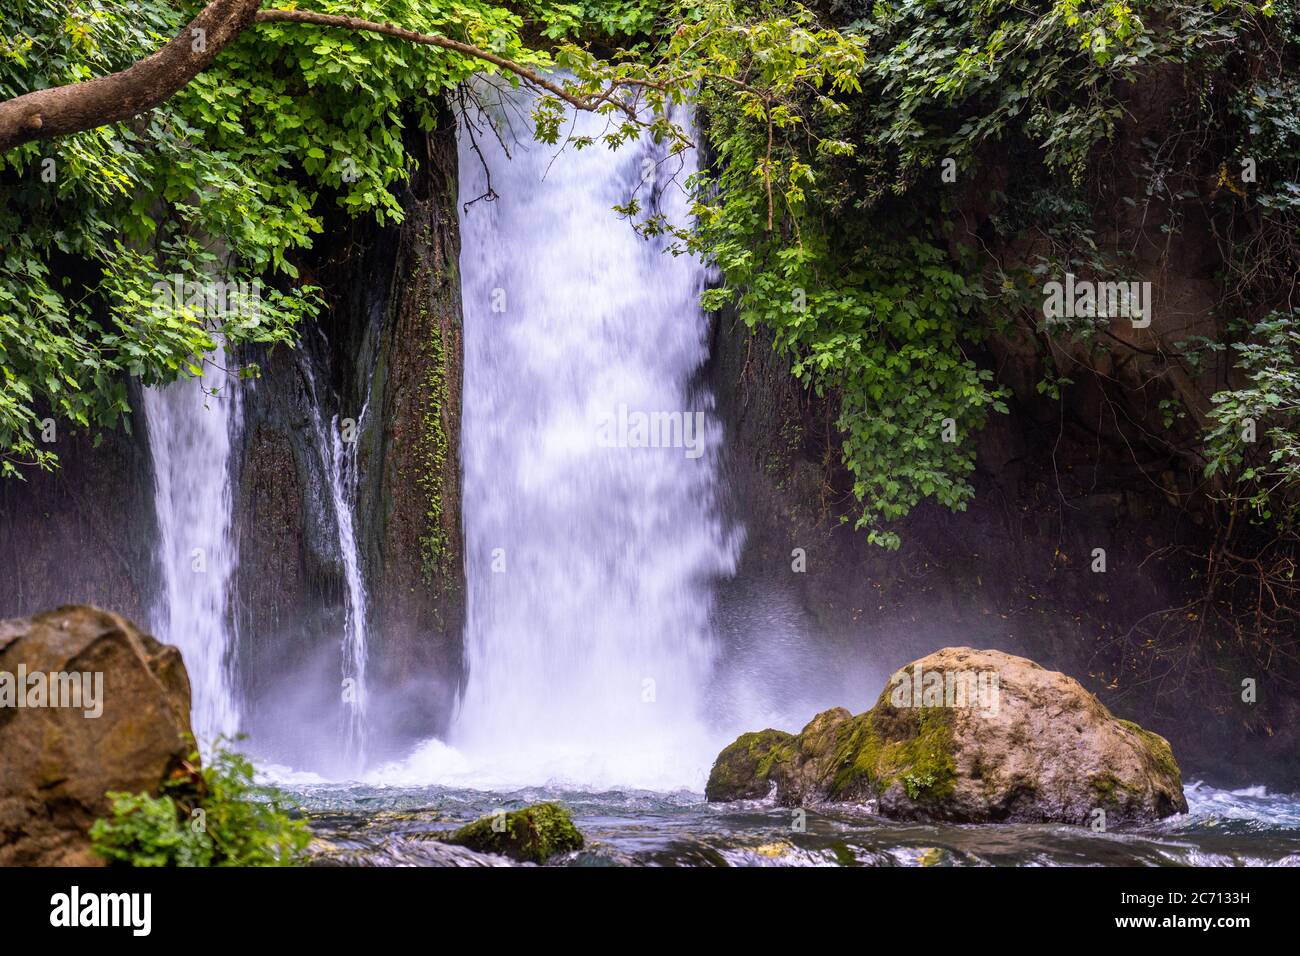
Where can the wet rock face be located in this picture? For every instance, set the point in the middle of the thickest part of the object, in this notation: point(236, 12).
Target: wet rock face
point(410, 503)
point(123, 727)
point(85, 531)
point(966, 736)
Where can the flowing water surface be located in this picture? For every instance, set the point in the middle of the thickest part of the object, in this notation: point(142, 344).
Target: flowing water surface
point(392, 826)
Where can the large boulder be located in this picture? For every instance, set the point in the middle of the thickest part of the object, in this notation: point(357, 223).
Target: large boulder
point(122, 722)
point(965, 736)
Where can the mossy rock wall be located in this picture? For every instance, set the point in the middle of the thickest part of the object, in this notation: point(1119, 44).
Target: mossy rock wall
point(386, 355)
point(411, 502)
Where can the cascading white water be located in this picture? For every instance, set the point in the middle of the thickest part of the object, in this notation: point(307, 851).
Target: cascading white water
point(338, 461)
point(190, 430)
point(589, 561)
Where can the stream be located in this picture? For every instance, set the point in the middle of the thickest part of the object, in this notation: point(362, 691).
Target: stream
point(393, 826)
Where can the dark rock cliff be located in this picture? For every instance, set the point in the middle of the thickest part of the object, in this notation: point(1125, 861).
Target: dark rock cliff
point(386, 362)
point(84, 532)
point(1012, 572)
point(410, 503)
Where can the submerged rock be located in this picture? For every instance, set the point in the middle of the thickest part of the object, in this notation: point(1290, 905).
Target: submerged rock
point(966, 736)
point(114, 714)
point(532, 835)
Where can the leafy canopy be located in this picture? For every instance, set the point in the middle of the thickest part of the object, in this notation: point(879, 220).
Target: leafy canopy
point(224, 182)
point(822, 205)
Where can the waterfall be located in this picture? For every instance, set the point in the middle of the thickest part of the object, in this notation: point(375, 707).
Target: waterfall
point(338, 462)
point(190, 425)
point(591, 549)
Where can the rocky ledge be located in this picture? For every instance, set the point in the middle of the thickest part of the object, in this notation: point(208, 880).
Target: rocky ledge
point(965, 736)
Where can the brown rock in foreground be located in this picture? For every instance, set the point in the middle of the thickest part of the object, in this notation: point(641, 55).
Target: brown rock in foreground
point(57, 762)
point(971, 737)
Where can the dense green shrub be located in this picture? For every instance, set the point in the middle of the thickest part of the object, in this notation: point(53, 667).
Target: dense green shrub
point(1255, 429)
point(216, 816)
point(849, 158)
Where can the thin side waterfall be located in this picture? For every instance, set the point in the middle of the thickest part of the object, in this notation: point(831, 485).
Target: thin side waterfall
point(591, 548)
point(190, 430)
point(338, 461)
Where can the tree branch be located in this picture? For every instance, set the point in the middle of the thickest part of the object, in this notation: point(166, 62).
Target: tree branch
point(74, 107)
point(356, 24)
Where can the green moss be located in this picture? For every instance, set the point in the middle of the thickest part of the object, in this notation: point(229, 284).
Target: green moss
point(1159, 754)
point(531, 835)
point(855, 757)
point(1105, 787)
point(910, 745)
point(434, 546)
point(743, 770)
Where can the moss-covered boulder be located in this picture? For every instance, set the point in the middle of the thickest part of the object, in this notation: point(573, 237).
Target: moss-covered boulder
point(744, 770)
point(966, 736)
point(531, 835)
